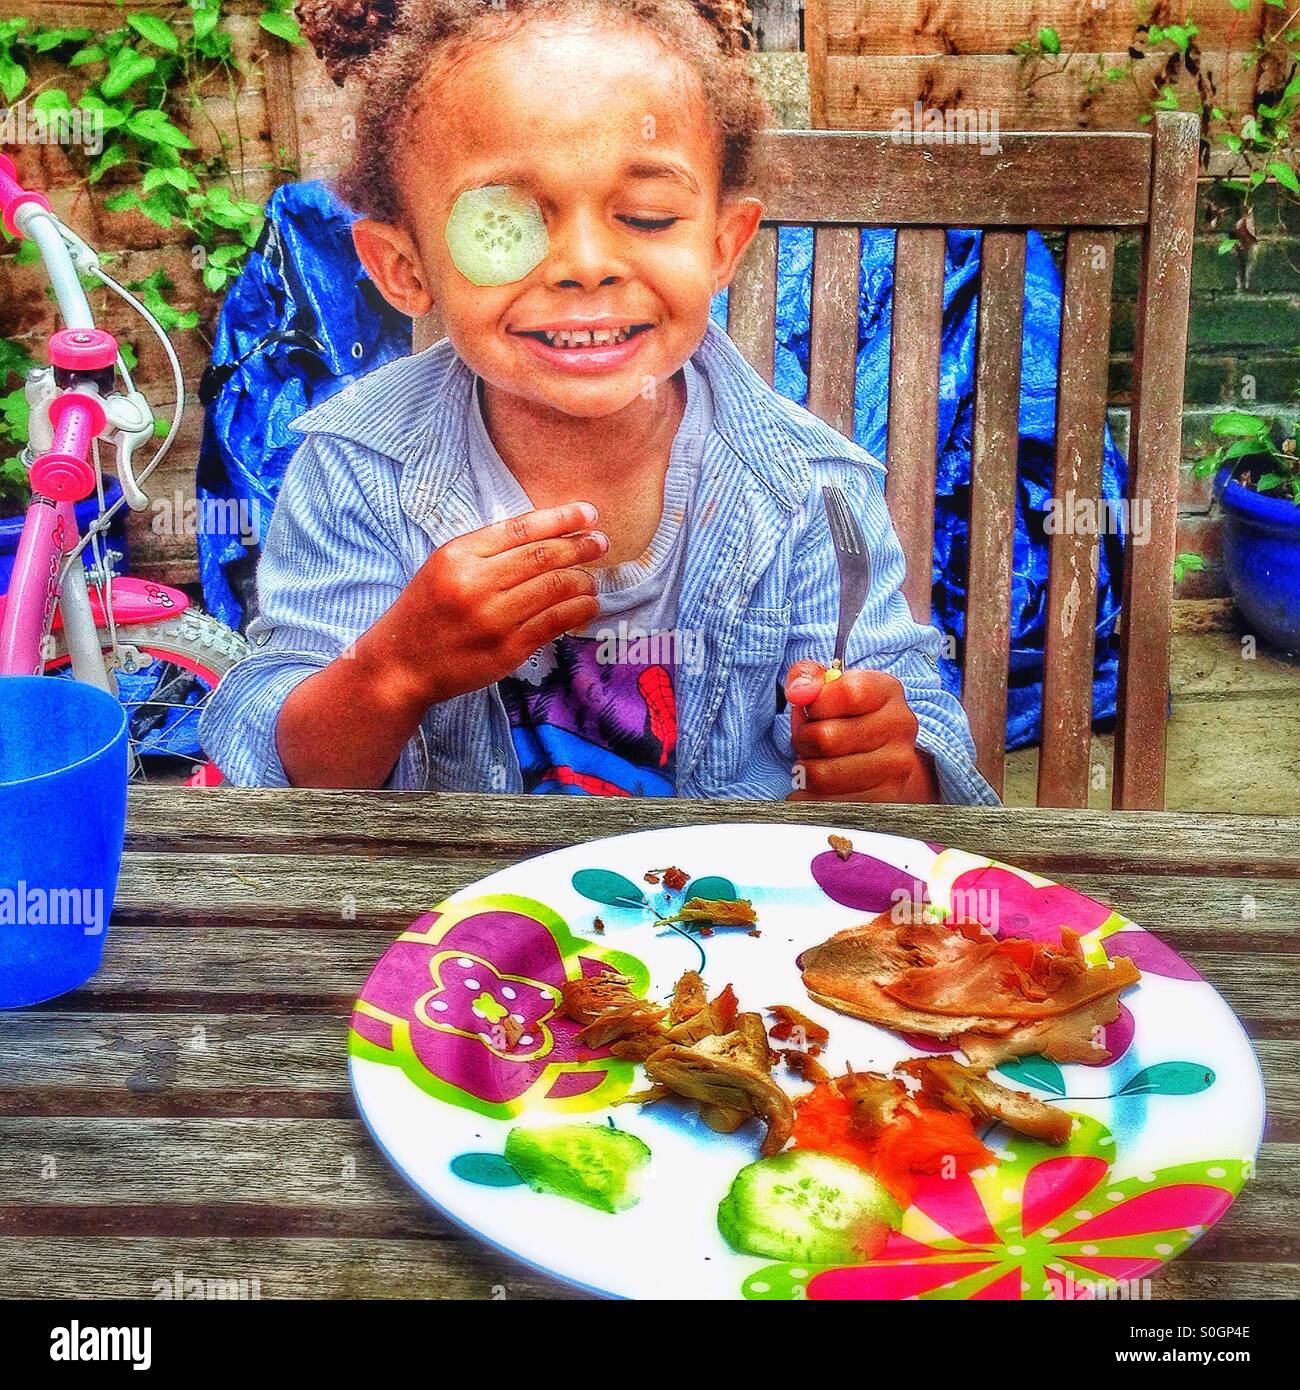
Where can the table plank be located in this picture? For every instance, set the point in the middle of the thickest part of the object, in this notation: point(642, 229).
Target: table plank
point(71, 1267)
point(193, 1098)
point(461, 825)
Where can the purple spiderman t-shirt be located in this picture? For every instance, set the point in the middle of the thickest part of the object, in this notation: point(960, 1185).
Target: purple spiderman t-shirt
point(595, 712)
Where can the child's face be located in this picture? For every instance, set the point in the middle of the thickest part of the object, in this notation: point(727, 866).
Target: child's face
point(611, 137)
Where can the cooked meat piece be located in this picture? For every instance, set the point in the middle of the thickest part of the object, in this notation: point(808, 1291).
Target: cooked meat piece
point(858, 972)
point(719, 912)
point(638, 1046)
point(716, 1080)
point(948, 1083)
point(876, 1101)
point(722, 1120)
point(841, 845)
point(688, 997)
point(804, 1065)
point(1068, 1037)
point(607, 1008)
point(788, 1019)
point(718, 1016)
point(646, 1097)
point(1010, 979)
point(842, 973)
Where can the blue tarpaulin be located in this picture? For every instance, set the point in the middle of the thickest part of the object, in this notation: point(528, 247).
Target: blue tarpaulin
point(303, 320)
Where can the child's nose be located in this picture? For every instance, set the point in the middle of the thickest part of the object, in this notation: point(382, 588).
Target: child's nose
point(584, 254)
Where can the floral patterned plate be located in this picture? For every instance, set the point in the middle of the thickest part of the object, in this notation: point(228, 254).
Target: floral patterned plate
point(456, 1043)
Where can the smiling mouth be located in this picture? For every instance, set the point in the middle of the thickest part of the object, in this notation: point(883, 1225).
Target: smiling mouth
point(584, 337)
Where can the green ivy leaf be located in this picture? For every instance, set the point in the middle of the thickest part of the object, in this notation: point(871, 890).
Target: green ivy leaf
point(157, 31)
point(46, 39)
point(1050, 41)
point(283, 26)
point(1239, 422)
point(52, 99)
point(112, 156)
point(1169, 1079)
point(125, 69)
point(206, 14)
point(122, 202)
point(605, 886)
point(13, 78)
point(1285, 175)
point(154, 128)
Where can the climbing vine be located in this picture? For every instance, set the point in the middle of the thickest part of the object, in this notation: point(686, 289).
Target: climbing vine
point(131, 93)
point(1248, 150)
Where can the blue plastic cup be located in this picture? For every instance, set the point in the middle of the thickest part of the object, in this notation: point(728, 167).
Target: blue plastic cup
point(63, 775)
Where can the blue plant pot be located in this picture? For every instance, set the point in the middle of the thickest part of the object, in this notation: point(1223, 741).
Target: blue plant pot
point(11, 528)
point(1261, 554)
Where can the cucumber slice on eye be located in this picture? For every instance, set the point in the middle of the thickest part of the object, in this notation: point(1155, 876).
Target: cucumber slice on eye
point(496, 235)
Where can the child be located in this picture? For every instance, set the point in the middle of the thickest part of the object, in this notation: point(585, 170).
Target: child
point(579, 546)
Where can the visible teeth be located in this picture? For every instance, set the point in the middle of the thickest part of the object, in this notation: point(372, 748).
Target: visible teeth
point(585, 337)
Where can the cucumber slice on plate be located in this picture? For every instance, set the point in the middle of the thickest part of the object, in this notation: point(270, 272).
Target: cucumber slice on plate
point(592, 1164)
point(808, 1208)
point(496, 235)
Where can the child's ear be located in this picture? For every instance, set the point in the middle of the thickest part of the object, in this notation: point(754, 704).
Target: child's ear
point(392, 261)
point(738, 220)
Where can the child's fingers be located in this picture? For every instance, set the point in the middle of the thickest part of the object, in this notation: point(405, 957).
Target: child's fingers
point(525, 563)
point(856, 692)
point(554, 622)
point(530, 527)
point(835, 738)
point(858, 772)
point(803, 682)
point(525, 601)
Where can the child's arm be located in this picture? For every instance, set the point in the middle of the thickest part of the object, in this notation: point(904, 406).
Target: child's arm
point(887, 730)
point(350, 651)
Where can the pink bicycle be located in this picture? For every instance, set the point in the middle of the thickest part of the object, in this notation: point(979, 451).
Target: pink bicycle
point(143, 642)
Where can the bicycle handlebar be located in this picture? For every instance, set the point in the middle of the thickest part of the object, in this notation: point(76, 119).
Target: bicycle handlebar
point(13, 195)
point(64, 472)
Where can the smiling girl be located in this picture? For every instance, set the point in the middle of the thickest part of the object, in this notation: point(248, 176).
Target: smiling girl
point(575, 546)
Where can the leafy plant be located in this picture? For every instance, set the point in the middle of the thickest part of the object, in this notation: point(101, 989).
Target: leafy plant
point(1263, 450)
point(1164, 64)
point(137, 86)
point(15, 361)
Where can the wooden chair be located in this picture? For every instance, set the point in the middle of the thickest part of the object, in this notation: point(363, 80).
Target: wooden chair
point(1092, 185)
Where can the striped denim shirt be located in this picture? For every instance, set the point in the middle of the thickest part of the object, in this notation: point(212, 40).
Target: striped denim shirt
point(383, 478)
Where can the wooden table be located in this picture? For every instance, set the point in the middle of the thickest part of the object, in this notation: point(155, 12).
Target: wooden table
point(188, 1113)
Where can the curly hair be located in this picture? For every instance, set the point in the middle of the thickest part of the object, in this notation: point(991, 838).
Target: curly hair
point(388, 46)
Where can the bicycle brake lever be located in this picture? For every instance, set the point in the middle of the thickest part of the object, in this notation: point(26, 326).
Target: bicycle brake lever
point(129, 411)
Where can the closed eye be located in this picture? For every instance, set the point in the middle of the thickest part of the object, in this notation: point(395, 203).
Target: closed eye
point(650, 224)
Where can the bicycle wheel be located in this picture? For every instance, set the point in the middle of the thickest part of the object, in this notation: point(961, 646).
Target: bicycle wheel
point(165, 673)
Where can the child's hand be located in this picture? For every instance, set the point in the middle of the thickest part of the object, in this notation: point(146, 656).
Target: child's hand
point(484, 602)
point(855, 738)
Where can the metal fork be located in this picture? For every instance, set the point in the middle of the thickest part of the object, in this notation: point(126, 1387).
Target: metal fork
point(854, 565)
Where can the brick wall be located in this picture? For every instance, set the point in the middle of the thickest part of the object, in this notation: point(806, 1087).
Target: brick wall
point(1243, 340)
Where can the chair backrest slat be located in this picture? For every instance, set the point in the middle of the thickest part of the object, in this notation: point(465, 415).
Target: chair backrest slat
point(1065, 760)
point(833, 333)
point(914, 404)
point(995, 440)
point(751, 303)
point(882, 179)
point(1155, 452)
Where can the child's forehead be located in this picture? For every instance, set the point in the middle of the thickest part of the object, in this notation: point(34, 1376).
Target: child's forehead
point(559, 100)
